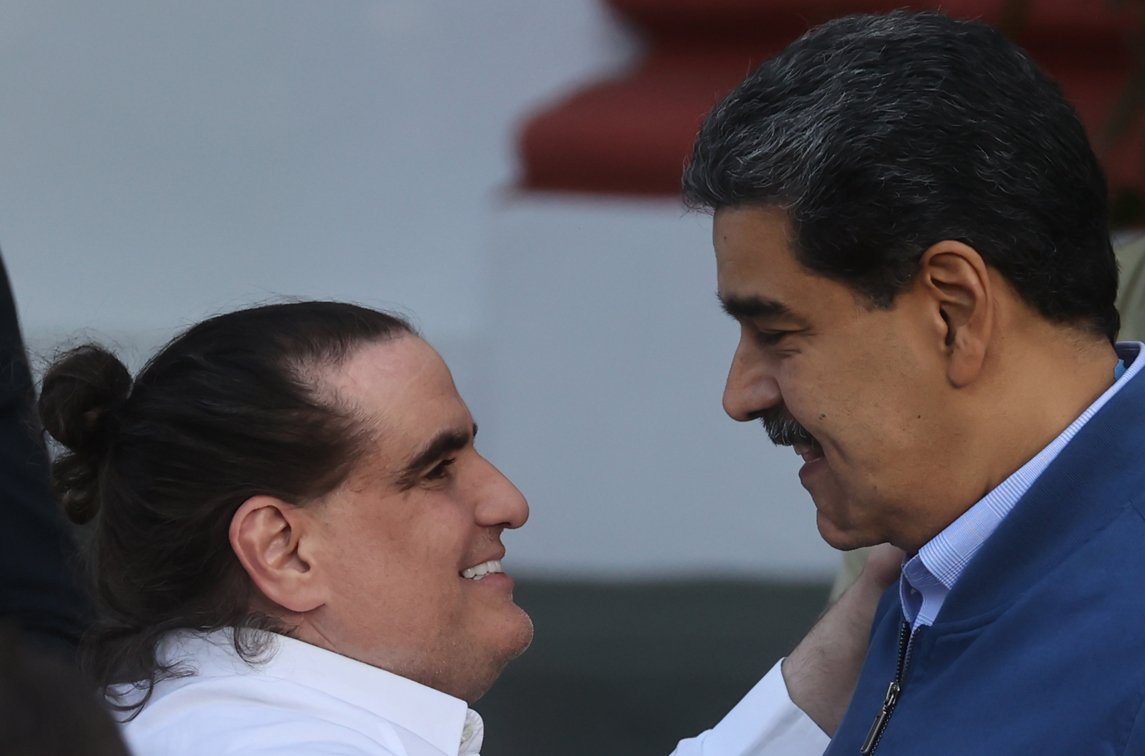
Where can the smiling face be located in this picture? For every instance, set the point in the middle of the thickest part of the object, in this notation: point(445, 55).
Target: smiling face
point(858, 391)
point(410, 545)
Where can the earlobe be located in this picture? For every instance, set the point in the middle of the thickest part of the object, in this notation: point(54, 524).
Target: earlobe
point(269, 539)
point(957, 280)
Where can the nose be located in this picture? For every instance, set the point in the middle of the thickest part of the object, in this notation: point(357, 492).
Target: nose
point(751, 387)
point(500, 503)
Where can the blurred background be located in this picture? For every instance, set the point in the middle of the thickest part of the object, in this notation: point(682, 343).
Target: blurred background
point(504, 172)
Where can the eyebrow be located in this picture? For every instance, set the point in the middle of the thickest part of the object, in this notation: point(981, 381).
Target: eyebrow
point(439, 446)
point(746, 307)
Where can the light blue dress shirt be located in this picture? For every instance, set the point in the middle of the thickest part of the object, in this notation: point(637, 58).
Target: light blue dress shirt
point(928, 576)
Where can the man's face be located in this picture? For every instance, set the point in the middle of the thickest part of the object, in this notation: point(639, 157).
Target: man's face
point(857, 391)
point(412, 541)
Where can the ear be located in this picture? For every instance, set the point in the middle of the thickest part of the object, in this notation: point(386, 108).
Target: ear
point(269, 538)
point(957, 282)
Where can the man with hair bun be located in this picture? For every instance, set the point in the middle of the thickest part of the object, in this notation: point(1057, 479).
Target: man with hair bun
point(298, 550)
point(910, 231)
point(297, 546)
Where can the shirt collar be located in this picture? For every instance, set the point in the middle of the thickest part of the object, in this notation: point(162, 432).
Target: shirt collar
point(928, 576)
point(441, 720)
point(472, 734)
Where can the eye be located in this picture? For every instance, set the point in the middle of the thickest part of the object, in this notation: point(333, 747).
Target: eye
point(440, 471)
point(770, 338)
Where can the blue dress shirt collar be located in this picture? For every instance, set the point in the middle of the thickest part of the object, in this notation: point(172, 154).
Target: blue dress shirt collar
point(928, 576)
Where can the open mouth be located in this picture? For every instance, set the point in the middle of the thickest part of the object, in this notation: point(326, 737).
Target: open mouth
point(479, 571)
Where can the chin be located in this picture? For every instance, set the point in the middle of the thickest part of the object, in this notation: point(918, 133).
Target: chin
point(842, 537)
point(521, 635)
point(514, 637)
point(515, 640)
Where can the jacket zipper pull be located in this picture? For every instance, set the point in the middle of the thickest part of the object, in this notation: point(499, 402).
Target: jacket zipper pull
point(888, 706)
point(892, 697)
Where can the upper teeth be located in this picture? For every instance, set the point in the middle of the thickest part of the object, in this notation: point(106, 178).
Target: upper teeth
point(478, 571)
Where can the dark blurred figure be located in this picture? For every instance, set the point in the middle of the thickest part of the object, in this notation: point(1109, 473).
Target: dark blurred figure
point(47, 708)
point(39, 591)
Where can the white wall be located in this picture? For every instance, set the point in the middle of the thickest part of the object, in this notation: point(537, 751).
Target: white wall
point(161, 160)
point(610, 352)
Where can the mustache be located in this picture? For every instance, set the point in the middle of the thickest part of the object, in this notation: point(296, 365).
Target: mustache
point(783, 429)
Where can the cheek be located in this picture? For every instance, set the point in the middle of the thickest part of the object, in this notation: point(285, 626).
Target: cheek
point(371, 566)
point(393, 563)
point(861, 416)
point(823, 407)
point(401, 595)
point(406, 550)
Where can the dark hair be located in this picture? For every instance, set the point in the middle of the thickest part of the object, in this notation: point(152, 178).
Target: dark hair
point(881, 135)
point(47, 708)
point(230, 409)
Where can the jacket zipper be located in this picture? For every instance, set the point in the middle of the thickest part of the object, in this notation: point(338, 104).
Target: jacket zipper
point(894, 690)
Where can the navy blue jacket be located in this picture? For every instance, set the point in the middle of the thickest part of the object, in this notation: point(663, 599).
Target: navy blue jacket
point(1040, 646)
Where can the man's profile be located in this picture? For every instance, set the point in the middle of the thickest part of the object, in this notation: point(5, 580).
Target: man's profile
point(910, 230)
point(307, 469)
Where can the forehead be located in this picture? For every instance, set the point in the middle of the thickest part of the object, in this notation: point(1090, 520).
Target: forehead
point(754, 258)
point(403, 388)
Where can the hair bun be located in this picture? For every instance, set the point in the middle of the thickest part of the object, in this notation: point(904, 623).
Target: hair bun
point(82, 393)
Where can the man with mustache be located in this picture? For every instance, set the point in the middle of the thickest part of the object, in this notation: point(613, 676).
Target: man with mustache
point(910, 230)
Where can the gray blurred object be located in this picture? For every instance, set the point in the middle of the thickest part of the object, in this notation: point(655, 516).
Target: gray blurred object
point(1131, 291)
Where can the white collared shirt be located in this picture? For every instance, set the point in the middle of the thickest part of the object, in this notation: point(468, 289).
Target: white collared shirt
point(296, 699)
point(764, 723)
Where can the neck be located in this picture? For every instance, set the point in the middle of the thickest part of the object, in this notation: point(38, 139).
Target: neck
point(1037, 385)
point(1034, 383)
